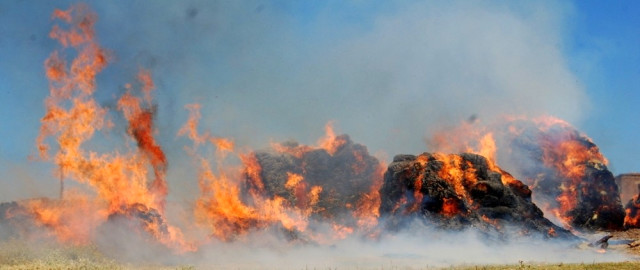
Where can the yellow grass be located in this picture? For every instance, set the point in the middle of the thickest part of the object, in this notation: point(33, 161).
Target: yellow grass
point(20, 255)
point(594, 266)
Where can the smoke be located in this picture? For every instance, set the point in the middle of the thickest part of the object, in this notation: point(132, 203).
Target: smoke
point(386, 73)
point(270, 71)
point(419, 247)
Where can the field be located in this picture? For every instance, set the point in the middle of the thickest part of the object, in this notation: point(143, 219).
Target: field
point(18, 255)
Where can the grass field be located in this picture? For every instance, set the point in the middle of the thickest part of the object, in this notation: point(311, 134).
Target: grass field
point(603, 266)
point(18, 255)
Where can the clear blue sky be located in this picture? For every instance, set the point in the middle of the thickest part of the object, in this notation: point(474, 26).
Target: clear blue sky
point(383, 70)
point(607, 35)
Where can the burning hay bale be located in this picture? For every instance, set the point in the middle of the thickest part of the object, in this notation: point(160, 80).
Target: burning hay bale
point(142, 217)
point(567, 173)
point(460, 191)
point(632, 211)
point(334, 184)
point(318, 194)
point(564, 168)
point(328, 185)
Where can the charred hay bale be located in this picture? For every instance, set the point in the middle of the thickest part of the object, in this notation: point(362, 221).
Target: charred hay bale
point(329, 185)
point(460, 191)
point(138, 216)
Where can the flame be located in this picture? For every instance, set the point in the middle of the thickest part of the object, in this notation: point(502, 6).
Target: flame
point(130, 181)
point(632, 210)
point(221, 207)
point(455, 171)
point(368, 207)
point(236, 200)
point(120, 180)
point(450, 207)
point(190, 129)
point(293, 179)
point(562, 149)
point(252, 171)
point(330, 141)
point(141, 129)
point(496, 224)
point(569, 157)
point(71, 220)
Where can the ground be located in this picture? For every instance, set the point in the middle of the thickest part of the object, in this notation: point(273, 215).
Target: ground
point(19, 255)
point(632, 234)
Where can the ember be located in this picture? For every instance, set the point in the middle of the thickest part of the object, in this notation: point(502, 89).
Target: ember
point(336, 182)
point(632, 210)
point(460, 191)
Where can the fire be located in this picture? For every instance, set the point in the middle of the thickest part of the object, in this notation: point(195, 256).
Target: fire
point(236, 200)
point(368, 207)
point(450, 207)
point(456, 172)
point(293, 179)
point(330, 142)
point(323, 192)
point(121, 181)
point(632, 210)
point(221, 207)
point(557, 161)
point(71, 220)
point(459, 190)
point(141, 129)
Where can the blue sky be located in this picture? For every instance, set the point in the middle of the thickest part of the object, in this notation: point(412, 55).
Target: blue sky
point(386, 72)
point(604, 52)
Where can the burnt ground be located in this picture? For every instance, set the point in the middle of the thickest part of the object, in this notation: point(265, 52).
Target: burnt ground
point(631, 235)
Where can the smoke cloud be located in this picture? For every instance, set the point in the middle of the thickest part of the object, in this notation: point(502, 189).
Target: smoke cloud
point(420, 247)
point(387, 74)
point(265, 71)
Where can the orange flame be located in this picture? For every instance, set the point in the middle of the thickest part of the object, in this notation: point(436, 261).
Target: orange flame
point(330, 142)
point(229, 212)
point(632, 210)
point(221, 207)
point(562, 152)
point(72, 117)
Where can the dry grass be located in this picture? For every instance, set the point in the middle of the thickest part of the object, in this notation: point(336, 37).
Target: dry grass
point(595, 266)
point(20, 255)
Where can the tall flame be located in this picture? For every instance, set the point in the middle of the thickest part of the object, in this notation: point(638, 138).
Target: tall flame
point(72, 116)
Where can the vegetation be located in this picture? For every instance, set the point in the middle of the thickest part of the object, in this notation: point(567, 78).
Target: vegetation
point(20, 255)
point(632, 265)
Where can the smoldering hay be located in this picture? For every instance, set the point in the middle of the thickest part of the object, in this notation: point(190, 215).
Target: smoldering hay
point(568, 174)
point(632, 211)
point(315, 194)
point(458, 191)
